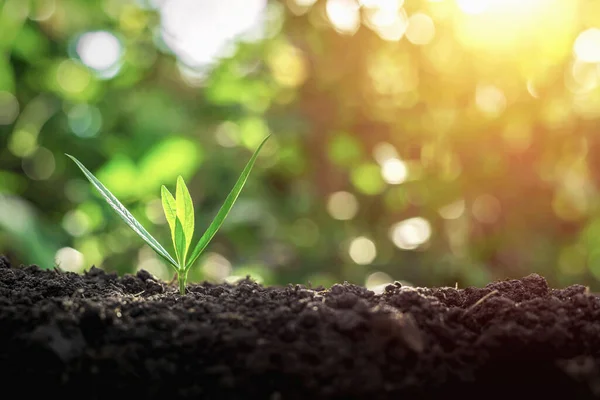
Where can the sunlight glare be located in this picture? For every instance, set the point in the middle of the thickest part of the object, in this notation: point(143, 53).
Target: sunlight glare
point(474, 7)
point(387, 5)
point(199, 31)
point(394, 171)
point(587, 46)
point(515, 26)
point(305, 3)
point(389, 23)
point(344, 15)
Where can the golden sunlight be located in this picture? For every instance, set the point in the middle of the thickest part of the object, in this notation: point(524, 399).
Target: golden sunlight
point(514, 26)
point(512, 6)
point(344, 15)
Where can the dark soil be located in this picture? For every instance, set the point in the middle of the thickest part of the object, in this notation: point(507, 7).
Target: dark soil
point(97, 336)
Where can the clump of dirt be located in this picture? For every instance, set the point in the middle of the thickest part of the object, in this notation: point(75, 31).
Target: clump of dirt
point(97, 335)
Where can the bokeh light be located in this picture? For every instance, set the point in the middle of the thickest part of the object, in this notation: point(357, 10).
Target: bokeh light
point(305, 3)
point(227, 134)
point(148, 261)
point(342, 205)
point(69, 259)
point(367, 179)
point(362, 250)
point(490, 100)
point(42, 10)
point(23, 142)
point(155, 212)
point(40, 165)
point(72, 77)
point(215, 267)
point(387, 19)
point(383, 151)
point(475, 7)
point(410, 233)
point(421, 29)
point(288, 65)
point(453, 210)
point(9, 108)
point(100, 50)
point(377, 281)
point(587, 45)
point(76, 223)
point(472, 6)
point(384, 5)
point(85, 120)
point(344, 15)
point(441, 141)
point(200, 31)
point(394, 171)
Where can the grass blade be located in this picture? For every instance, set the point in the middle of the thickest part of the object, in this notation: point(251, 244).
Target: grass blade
point(225, 208)
point(180, 242)
point(185, 212)
point(125, 214)
point(169, 206)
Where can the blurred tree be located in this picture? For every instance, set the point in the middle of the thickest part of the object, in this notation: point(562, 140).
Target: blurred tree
point(428, 141)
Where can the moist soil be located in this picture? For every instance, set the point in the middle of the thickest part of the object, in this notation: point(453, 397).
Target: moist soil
point(96, 335)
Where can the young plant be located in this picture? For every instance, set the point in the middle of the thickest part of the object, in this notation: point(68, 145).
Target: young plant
point(179, 211)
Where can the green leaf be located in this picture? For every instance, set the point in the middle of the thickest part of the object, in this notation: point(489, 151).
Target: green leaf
point(225, 208)
point(125, 214)
point(180, 242)
point(169, 206)
point(185, 211)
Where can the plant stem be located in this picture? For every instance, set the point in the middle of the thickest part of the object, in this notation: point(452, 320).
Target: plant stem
point(182, 278)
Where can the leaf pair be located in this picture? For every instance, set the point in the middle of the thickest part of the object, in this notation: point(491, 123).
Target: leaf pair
point(179, 211)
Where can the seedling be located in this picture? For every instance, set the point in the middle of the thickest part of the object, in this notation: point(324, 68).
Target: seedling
point(179, 211)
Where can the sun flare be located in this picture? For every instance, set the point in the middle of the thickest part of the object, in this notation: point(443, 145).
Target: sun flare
point(475, 7)
point(509, 25)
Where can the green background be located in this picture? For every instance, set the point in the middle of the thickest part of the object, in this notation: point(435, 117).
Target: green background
point(433, 142)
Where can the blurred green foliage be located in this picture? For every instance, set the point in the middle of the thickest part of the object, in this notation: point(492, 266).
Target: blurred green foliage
point(428, 141)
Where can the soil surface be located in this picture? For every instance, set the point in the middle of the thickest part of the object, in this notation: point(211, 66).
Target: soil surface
point(97, 336)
